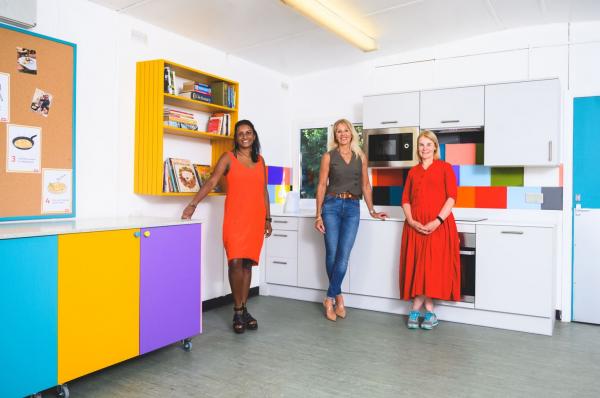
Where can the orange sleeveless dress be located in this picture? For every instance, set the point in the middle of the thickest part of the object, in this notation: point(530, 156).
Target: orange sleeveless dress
point(245, 212)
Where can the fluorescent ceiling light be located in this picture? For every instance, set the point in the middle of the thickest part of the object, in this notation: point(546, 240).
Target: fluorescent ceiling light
point(324, 16)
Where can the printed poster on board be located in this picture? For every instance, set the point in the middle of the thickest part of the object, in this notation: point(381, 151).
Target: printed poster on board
point(56, 191)
point(4, 97)
point(24, 149)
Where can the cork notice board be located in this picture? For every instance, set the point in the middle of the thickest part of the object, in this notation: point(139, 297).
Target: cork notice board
point(37, 126)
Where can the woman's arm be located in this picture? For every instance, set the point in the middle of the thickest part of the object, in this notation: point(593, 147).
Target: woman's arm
point(268, 228)
point(220, 170)
point(368, 192)
point(321, 187)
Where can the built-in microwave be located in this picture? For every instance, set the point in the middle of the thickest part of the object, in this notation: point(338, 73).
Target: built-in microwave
point(391, 147)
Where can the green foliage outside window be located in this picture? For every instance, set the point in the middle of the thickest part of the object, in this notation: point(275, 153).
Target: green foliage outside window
point(313, 144)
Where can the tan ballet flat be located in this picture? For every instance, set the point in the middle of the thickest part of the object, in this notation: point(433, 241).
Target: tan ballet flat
point(340, 309)
point(329, 312)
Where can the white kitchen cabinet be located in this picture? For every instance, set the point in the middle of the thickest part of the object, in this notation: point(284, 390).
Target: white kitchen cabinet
point(375, 259)
point(453, 107)
point(391, 110)
point(522, 124)
point(311, 258)
point(514, 270)
point(282, 252)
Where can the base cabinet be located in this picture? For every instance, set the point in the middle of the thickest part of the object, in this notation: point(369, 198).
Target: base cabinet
point(514, 270)
point(98, 301)
point(28, 305)
point(375, 259)
point(170, 300)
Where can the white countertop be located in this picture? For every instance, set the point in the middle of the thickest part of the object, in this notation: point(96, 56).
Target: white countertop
point(10, 230)
point(309, 213)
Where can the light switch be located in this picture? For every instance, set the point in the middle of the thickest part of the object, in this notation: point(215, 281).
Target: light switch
point(534, 197)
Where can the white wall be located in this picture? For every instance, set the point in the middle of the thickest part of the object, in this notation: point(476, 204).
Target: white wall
point(108, 46)
point(570, 52)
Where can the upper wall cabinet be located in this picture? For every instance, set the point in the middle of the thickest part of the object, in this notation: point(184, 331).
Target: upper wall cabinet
point(522, 123)
point(391, 110)
point(454, 107)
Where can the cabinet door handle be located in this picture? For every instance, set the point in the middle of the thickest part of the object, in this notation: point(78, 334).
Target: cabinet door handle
point(467, 252)
point(389, 122)
point(280, 222)
point(146, 234)
point(280, 262)
point(136, 234)
point(550, 150)
point(513, 232)
point(280, 235)
point(450, 121)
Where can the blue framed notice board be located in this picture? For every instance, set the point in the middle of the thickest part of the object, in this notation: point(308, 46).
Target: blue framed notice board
point(37, 126)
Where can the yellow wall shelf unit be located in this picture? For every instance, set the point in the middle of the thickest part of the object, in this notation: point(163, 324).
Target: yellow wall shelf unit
point(151, 99)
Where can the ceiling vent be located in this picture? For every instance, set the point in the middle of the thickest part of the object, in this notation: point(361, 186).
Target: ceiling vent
point(21, 13)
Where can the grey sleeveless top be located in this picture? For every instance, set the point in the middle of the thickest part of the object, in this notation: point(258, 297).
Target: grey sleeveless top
point(344, 177)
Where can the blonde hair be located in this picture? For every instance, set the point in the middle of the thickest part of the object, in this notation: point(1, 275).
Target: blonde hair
point(431, 136)
point(354, 144)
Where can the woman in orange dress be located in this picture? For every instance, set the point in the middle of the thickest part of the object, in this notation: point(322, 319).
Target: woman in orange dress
point(430, 256)
point(247, 218)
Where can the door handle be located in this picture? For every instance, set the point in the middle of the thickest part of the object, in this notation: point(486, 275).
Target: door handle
point(389, 122)
point(136, 234)
point(280, 235)
point(467, 252)
point(513, 232)
point(280, 262)
point(449, 121)
point(550, 150)
point(279, 222)
point(146, 234)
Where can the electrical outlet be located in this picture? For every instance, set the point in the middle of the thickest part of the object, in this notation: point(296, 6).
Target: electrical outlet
point(534, 197)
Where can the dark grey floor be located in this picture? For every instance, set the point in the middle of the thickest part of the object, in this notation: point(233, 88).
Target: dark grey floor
point(298, 353)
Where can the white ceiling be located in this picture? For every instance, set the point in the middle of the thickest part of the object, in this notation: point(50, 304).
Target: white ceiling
point(269, 33)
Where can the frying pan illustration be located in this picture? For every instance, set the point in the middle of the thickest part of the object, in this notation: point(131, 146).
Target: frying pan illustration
point(23, 142)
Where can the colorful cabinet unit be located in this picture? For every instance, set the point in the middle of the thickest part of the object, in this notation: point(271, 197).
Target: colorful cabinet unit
point(82, 299)
point(28, 306)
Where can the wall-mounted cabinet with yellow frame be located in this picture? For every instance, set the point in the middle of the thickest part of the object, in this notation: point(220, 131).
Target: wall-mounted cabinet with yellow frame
point(150, 131)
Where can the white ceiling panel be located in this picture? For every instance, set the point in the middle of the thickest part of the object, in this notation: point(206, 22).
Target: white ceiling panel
point(269, 33)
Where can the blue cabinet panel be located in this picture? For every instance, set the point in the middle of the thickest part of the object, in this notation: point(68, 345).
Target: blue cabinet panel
point(28, 305)
point(586, 130)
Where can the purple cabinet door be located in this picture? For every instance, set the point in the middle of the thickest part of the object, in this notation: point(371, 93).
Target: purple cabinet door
point(170, 301)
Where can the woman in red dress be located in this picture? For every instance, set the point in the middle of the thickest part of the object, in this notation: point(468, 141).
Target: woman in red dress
point(247, 218)
point(430, 256)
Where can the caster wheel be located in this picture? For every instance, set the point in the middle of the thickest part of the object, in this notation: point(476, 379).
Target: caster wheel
point(187, 344)
point(36, 395)
point(62, 391)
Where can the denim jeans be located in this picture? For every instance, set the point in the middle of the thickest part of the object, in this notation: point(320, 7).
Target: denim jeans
point(340, 217)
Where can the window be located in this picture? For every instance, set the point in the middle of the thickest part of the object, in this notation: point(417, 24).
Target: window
point(313, 144)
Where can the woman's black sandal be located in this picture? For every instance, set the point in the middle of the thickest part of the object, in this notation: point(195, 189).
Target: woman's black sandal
point(239, 325)
point(249, 320)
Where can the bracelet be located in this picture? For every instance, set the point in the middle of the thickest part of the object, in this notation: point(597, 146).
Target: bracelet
point(440, 219)
point(372, 211)
point(192, 205)
point(269, 219)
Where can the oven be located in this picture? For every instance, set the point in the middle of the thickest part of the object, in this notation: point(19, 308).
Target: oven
point(467, 267)
point(391, 147)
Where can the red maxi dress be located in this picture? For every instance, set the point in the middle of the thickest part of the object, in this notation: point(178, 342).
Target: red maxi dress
point(245, 212)
point(430, 264)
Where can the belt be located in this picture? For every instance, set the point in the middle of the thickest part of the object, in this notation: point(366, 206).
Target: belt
point(344, 195)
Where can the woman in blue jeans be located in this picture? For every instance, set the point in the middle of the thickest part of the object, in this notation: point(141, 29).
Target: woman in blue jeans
point(343, 180)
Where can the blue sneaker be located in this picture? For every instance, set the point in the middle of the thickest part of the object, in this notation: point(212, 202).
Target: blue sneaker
point(430, 321)
point(413, 320)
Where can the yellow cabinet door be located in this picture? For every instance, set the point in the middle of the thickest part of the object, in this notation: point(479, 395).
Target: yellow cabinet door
point(98, 300)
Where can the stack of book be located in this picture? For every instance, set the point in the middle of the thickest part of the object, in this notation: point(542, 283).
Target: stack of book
point(169, 84)
point(218, 123)
point(180, 119)
point(196, 91)
point(223, 94)
point(180, 176)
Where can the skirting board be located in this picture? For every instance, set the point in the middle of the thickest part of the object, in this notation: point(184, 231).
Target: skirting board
point(451, 313)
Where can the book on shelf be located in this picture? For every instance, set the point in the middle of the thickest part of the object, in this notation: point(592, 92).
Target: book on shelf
point(194, 95)
point(223, 94)
point(195, 86)
point(179, 119)
point(218, 123)
point(204, 172)
point(169, 83)
point(183, 175)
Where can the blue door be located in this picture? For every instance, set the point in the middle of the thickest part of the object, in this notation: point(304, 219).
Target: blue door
point(28, 304)
point(586, 212)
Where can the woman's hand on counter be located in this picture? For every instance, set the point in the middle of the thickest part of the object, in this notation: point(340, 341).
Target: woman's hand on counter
point(379, 215)
point(319, 226)
point(188, 212)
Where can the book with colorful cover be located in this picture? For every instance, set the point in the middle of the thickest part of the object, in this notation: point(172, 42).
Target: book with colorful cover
point(185, 176)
